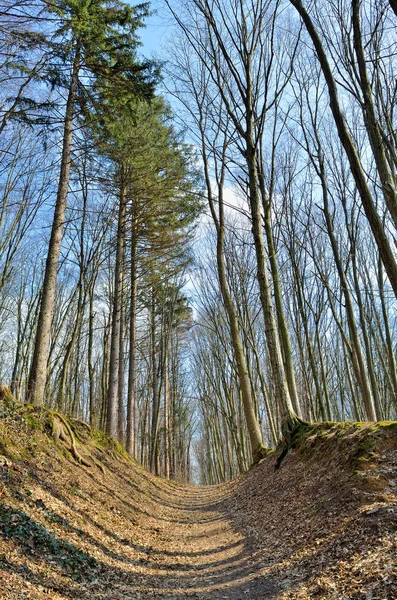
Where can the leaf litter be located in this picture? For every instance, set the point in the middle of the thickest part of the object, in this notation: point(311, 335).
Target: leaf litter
point(322, 526)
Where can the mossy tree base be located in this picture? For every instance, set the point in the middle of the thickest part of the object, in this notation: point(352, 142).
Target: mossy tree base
point(259, 454)
point(292, 430)
point(6, 394)
point(62, 430)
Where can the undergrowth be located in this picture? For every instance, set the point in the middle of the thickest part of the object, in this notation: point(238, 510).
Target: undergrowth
point(34, 540)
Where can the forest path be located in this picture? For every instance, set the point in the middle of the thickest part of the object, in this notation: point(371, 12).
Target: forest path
point(198, 552)
point(324, 525)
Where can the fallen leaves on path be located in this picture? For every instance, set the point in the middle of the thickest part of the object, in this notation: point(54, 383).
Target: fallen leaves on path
point(314, 529)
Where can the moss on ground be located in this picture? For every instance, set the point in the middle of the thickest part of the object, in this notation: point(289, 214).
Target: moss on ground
point(354, 442)
point(41, 428)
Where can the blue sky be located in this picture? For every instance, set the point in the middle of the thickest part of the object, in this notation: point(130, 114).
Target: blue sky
point(154, 35)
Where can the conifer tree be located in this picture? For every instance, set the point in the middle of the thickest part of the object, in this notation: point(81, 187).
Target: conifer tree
point(154, 181)
point(96, 40)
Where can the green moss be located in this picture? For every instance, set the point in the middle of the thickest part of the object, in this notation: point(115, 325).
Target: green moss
point(8, 449)
point(385, 425)
point(105, 442)
point(352, 442)
point(100, 437)
point(32, 422)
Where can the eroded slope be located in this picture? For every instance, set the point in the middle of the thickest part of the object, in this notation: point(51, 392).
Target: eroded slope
point(323, 526)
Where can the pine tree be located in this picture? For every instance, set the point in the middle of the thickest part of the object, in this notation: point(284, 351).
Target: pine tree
point(97, 40)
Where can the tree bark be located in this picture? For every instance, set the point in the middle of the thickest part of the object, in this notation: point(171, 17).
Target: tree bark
point(131, 430)
point(271, 331)
point(371, 122)
point(38, 369)
point(113, 388)
point(91, 369)
point(281, 320)
point(254, 431)
point(363, 379)
point(389, 340)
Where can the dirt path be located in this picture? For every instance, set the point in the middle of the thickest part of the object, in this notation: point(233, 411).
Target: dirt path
point(315, 528)
point(198, 553)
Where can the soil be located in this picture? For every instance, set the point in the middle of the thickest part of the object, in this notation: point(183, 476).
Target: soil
point(322, 526)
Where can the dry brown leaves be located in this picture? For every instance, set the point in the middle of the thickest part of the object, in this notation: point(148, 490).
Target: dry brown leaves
point(313, 529)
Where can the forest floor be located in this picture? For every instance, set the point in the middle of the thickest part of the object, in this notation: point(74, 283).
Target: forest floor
point(323, 526)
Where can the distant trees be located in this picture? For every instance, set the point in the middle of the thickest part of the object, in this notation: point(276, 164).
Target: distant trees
point(306, 143)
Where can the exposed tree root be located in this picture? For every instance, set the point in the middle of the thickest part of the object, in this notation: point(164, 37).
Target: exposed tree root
point(260, 453)
point(68, 431)
point(83, 424)
point(291, 429)
point(61, 430)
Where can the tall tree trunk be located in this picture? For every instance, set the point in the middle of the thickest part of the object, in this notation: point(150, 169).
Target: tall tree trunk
point(389, 341)
point(131, 432)
point(21, 330)
point(281, 320)
point(379, 233)
point(155, 424)
point(373, 412)
point(372, 125)
point(309, 346)
point(105, 374)
point(38, 369)
point(323, 374)
point(253, 428)
point(112, 395)
point(70, 347)
point(91, 369)
point(166, 394)
point(120, 391)
point(363, 379)
point(271, 330)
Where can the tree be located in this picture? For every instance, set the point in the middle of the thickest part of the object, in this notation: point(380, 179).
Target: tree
point(236, 45)
point(157, 198)
point(99, 39)
point(375, 222)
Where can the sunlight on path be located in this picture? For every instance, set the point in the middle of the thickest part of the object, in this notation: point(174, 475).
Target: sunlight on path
point(199, 555)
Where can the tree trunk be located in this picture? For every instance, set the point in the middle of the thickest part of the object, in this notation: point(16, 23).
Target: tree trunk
point(359, 176)
point(155, 425)
point(372, 125)
point(389, 340)
point(120, 383)
point(112, 395)
point(363, 379)
point(166, 419)
point(271, 331)
point(38, 370)
point(254, 431)
point(131, 432)
point(281, 320)
point(91, 369)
